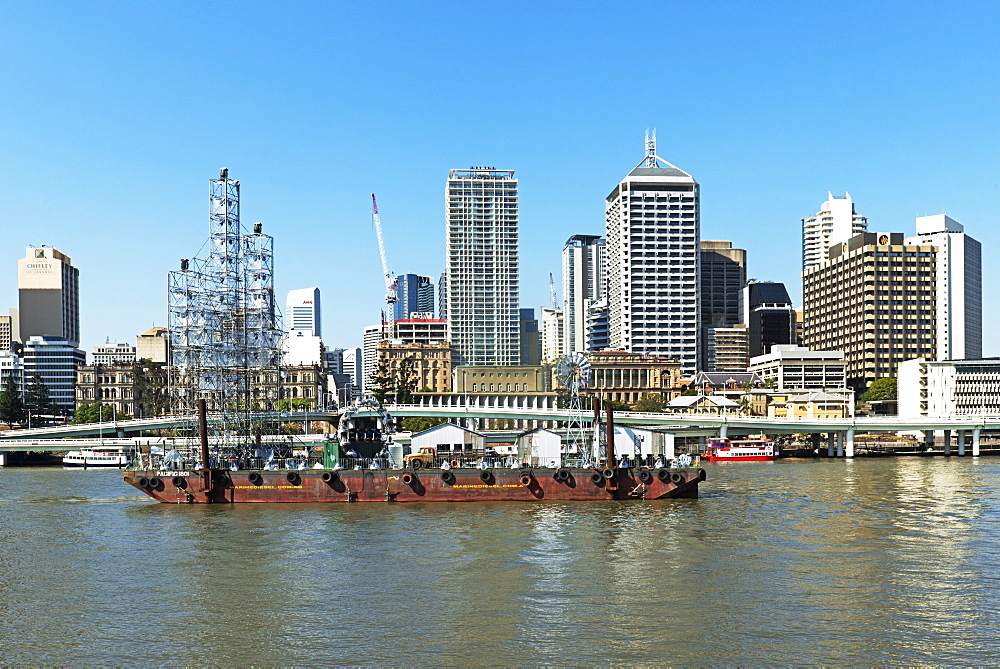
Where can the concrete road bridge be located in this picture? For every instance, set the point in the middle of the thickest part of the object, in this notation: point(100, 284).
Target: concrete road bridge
point(840, 431)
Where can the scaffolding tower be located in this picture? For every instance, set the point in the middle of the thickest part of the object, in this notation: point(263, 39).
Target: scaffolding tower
point(224, 331)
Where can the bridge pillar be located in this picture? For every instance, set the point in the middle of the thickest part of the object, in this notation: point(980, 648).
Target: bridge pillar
point(975, 442)
point(850, 443)
point(831, 442)
point(840, 444)
point(947, 442)
point(723, 431)
point(961, 442)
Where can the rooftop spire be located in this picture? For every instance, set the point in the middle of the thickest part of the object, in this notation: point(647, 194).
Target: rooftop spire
point(650, 149)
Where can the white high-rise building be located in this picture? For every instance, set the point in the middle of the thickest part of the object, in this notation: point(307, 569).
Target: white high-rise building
point(652, 261)
point(836, 222)
point(583, 285)
point(302, 311)
point(354, 368)
point(959, 286)
point(552, 334)
point(482, 270)
point(48, 296)
point(369, 356)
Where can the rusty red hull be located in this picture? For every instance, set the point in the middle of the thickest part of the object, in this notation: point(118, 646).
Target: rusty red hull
point(425, 485)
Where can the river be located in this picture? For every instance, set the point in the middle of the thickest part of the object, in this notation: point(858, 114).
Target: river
point(871, 561)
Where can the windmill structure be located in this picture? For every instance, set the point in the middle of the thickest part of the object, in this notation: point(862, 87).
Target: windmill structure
point(573, 374)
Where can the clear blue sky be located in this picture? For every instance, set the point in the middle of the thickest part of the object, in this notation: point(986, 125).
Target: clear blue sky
point(114, 116)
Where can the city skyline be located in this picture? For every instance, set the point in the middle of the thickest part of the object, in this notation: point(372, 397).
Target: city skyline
point(101, 99)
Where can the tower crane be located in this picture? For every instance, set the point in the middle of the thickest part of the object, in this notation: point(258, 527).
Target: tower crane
point(390, 284)
point(552, 290)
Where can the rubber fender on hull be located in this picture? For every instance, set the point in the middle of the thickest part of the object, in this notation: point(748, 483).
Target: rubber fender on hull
point(293, 478)
point(486, 476)
point(702, 474)
point(448, 478)
point(646, 476)
point(330, 477)
point(663, 475)
point(143, 482)
point(409, 479)
point(676, 478)
point(256, 478)
point(608, 473)
point(180, 482)
point(597, 478)
point(561, 475)
point(525, 479)
point(155, 483)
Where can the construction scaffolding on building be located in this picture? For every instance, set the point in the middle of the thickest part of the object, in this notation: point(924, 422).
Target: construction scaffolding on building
point(224, 332)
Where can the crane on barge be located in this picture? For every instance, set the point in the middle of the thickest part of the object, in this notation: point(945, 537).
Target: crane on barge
point(390, 283)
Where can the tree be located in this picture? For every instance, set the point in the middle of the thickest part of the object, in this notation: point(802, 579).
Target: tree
point(420, 423)
point(745, 405)
point(381, 380)
point(11, 407)
point(98, 412)
point(293, 404)
point(690, 392)
point(880, 390)
point(651, 404)
point(405, 381)
point(36, 397)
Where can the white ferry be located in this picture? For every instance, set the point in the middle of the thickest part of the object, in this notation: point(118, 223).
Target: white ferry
point(94, 457)
point(724, 450)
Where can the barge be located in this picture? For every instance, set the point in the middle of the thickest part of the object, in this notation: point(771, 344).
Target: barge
point(323, 483)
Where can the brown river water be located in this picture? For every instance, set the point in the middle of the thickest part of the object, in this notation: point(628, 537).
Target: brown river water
point(872, 561)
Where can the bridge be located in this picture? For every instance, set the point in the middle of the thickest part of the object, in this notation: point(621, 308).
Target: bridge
point(840, 431)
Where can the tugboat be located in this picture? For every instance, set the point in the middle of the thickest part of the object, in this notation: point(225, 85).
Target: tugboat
point(199, 478)
point(725, 450)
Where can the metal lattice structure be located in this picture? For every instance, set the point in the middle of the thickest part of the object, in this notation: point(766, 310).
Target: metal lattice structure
point(223, 324)
point(573, 374)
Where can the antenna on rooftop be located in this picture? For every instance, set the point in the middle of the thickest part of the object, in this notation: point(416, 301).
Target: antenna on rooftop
point(650, 149)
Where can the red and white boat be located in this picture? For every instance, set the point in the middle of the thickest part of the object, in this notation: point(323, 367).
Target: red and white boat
point(725, 450)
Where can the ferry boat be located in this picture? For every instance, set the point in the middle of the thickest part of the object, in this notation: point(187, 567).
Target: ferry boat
point(94, 457)
point(726, 450)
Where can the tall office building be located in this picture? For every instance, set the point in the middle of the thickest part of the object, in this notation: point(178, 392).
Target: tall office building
point(48, 296)
point(443, 296)
point(302, 311)
point(653, 254)
point(959, 286)
point(54, 360)
point(835, 223)
point(531, 340)
point(875, 299)
point(354, 369)
point(482, 267)
point(768, 315)
point(723, 275)
point(372, 336)
point(583, 283)
point(552, 334)
point(414, 295)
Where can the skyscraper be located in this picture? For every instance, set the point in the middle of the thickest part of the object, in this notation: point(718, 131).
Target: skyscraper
point(552, 334)
point(482, 267)
point(414, 295)
point(768, 315)
point(723, 275)
point(835, 223)
point(369, 356)
point(48, 296)
point(583, 285)
point(874, 298)
point(653, 231)
point(959, 286)
point(302, 311)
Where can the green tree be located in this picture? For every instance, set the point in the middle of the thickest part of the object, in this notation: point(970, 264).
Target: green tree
point(650, 404)
point(880, 390)
point(381, 380)
point(420, 423)
point(293, 404)
point(405, 381)
point(36, 397)
point(745, 405)
point(98, 412)
point(11, 407)
point(690, 392)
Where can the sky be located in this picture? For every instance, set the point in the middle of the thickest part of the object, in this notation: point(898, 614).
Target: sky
point(114, 116)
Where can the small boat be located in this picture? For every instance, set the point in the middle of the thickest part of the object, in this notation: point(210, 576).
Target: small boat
point(725, 450)
point(95, 457)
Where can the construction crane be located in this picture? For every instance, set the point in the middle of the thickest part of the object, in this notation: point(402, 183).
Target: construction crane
point(390, 284)
point(552, 290)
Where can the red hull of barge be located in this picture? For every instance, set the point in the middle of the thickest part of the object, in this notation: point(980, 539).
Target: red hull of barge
point(425, 485)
